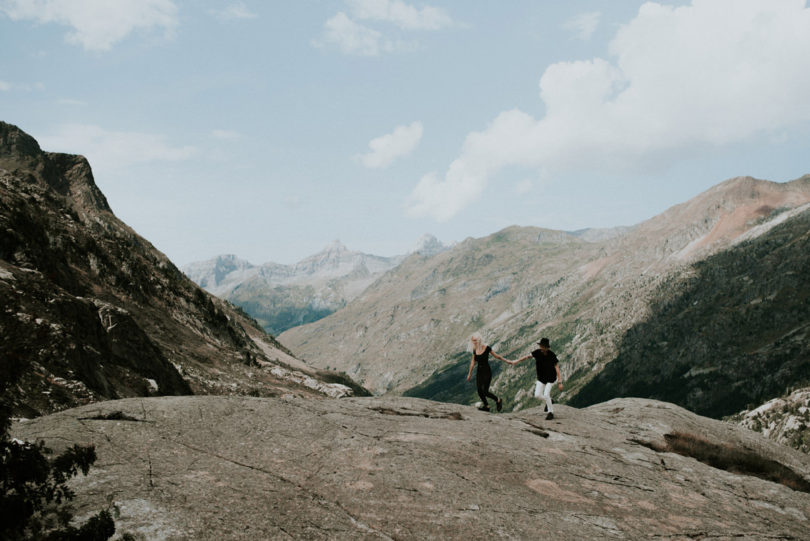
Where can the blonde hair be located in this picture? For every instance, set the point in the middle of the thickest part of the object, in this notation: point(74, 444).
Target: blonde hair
point(476, 336)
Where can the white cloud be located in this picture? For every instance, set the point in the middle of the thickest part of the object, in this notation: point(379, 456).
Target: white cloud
point(232, 12)
point(354, 38)
point(583, 25)
point(350, 37)
point(96, 25)
point(387, 148)
point(110, 151)
point(5, 86)
point(707, 75)
point(403, 15)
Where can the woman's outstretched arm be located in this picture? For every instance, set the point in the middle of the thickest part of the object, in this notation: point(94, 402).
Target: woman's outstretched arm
point(498, 356)
point(521, 359)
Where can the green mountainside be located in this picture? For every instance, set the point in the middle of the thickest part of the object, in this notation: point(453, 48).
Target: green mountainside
point(281, 307)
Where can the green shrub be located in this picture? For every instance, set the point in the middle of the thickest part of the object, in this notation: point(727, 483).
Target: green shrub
point(34, 494)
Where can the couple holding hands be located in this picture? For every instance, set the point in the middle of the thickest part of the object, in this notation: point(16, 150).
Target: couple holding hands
point(548, 371)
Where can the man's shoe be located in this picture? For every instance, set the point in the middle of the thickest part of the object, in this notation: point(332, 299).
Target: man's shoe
point(550, 416)
point(484, 408)
point(499, 404)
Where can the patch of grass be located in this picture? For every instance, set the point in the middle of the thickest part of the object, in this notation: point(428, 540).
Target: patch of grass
point(730, 458)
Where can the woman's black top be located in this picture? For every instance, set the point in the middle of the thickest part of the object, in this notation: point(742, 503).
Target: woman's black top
point(482, 360)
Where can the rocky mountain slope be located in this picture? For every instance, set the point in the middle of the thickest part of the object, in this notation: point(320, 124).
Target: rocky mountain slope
point(732, 332)
point(412, 326)
point(785, 419)
point(399, 468)
point(91, 310)
point(280, 297)
point(412, 320)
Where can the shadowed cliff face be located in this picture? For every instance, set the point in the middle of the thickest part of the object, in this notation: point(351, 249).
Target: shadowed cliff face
point(399, 468)
point(732, 333)
point(90, 310)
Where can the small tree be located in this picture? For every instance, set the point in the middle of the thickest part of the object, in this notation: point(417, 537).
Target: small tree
point(33, 487)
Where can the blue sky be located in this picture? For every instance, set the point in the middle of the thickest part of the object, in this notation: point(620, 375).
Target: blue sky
point(268, 129)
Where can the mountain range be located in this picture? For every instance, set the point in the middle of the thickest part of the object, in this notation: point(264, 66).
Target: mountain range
point(92, 311)
point(280, 296)
point(704, 305)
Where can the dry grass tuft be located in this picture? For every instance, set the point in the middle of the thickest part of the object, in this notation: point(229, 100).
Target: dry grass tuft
point(730, 458)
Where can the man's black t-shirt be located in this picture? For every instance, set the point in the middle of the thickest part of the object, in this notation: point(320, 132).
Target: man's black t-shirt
point(545, 366)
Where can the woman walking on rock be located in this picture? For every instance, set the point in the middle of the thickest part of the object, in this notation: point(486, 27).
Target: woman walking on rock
point(548, 371)
point(483, 377)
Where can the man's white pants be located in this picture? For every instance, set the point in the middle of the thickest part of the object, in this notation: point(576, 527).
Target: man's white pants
point(543, 390)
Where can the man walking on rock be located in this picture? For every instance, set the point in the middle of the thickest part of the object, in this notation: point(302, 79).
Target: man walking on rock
point(548, 371)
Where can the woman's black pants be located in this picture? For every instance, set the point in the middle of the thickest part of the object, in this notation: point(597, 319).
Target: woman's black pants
point(483, 378)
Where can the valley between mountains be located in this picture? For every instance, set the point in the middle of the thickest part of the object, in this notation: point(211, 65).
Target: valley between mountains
point(706, 305)
point(207, 427)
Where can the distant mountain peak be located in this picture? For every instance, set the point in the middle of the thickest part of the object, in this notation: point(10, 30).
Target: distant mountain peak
point(211, 273)
point(428, 245)
point(334, 260)
point(332, 251)
point(280, 296)
point(336, 246)
point(227, 257)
